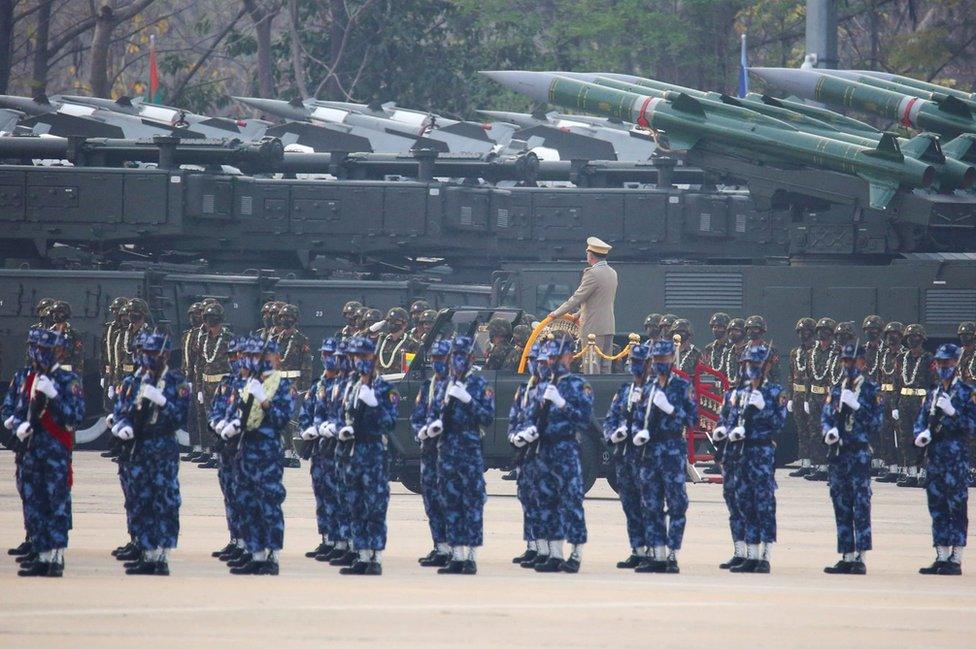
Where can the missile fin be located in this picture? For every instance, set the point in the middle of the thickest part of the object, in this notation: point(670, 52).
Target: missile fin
point(880, 191)
point(297, 102)
point(962, 147)
point(954, 106)
point(125, 101)
point(681, 141)
point(887, 148)
point(686, 103)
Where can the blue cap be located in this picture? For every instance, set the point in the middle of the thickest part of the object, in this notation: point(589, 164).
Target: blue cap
point(48, 338)
point(534, 351)
point(232, 345)
point(342, 348)
point(947, 352)
point(462, 345)
point(140, 339)
point(755, 354)
point(271, 346)
point(33, 334)
point(662, 348)
point(852, 350)
point(156, 342)
point(560, 346)
point(251, 345)
point(639, 353)
point(329, 346)
point(441, 347)
point(361, 345)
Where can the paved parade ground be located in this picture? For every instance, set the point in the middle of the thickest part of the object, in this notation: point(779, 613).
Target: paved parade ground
point(310, 604)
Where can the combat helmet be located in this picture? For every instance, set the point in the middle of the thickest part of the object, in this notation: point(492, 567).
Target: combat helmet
point(719, 319)
point(806, 324)
point(499, 327)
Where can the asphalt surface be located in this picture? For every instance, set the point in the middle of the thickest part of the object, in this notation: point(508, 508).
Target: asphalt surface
point(310, 604)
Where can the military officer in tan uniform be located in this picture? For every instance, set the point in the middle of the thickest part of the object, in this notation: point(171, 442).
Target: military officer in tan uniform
point(592, 303)
point(295, 365)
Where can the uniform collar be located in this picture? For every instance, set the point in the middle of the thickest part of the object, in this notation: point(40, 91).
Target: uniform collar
point(602, 262)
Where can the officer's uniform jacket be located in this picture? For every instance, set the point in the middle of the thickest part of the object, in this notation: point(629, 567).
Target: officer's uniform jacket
point(296, 359)
point(594, 300)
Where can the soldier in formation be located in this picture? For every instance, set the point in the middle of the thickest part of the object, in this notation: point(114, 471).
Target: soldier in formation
point(528, 466)
point(798, 394)
point(394, 342)
point(295, 365)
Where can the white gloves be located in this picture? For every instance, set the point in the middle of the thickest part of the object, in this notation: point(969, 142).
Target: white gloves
point(519, 439)
point(200, 397)
point(944, 403)
point(115, 428)
point(154, 394)
point(422, 434)
point(806, 407)
point(635, 395)
point(619, 435)
point(110, 420)
point(459, 392)
point(309, 433)
point(9, 423)
point(44, 384)
point(923, 439)
point(894, 414)
point(232, 429)
point(661, 402)
point(435, 428)
point(327, 429)
point(756, 400)
point(737, 434)
point(346, 433)
point(101, 382)
point(368, 396)
point(789, 406)
point(111, 392)
point(257, 390)
point(642, 437)
point(720, 433)
point(530, 434)
point(832, 436)
point(552, 394)
point(849, 399)
point(24, 431)
point(125, 433)
point(219, 426)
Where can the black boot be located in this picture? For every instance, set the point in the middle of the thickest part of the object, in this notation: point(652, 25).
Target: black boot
point(537, 561)
point(347, 559)
point(435, 560)
point(889, 476)
point(818, 475)
point(216, 554)
point(671, 566)
point(651, 565)
point(748, 565)
point(630, 562)
point(933, 569)
point(357, 568)
point(121, 548)
point(30, 557)
point(511, 475)
point(233, 554)
point(156, 568)
point(455, 567)
point(241, 561)
point(42, 569)
point(801, 472)
point(950, 568)
point(319, 549)
point(130, 554)
point(762, 566)
point(212, 463)
point(840, 568)
point(732, 563)
point(291, 463)
point(552, 564)
point(374, 568)
point(20, 550)
point(908, 481)
point(256, 568)
point(528, 555)
point(571, 566)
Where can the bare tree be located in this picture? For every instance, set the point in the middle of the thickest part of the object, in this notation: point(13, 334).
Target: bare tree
point(263, 15)
point(107, 19)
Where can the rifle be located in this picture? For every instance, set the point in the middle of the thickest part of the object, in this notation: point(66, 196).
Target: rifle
point(929, 416)
point(747, 414)
point(844, 414)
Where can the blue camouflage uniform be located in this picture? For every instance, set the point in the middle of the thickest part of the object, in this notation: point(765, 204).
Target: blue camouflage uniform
point(260, 491)
point(849, 460)
point(561, 485)
point(7, 415)
point(756, 487)
point(46, 463)
point(343, 456)
point(623, 411)
point(730, 462)
point(948, 460)
point(460, 464)
point(227, 467)
point(316, 410)
point(426, 408)
point(529, 467)
point(154, 459)
point(664, 462)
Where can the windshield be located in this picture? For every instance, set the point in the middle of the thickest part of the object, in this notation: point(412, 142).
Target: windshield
point(470, 322)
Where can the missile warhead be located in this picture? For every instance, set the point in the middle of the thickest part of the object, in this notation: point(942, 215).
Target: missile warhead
point(39, 105)
point(294, 109)
point(123, 104)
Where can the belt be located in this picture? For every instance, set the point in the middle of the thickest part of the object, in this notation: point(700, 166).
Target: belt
point(291, 374)
point(887, 387)
point(818, 389)
point(797, 387)
point(213, 378)
point(913, 392)
point(128, 367)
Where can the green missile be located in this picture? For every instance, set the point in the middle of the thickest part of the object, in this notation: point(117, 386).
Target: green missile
point(948, 117)
point(950, 173)
point(894, 86)
point(908, 82)
point(690, 123)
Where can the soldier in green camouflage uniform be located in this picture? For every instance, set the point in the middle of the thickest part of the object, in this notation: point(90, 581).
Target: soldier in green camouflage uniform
point(755, 332)
point(269, 316)
point(916, 377)
point(889, 376)
point(110, 331)
point(417, 308)
point(498, 356)
point(349, 313)
point(210, 367)
point(72, 357)
point(687, 356)
point(797, 391)
point(188, 356)
point(667, 321)
point(823, 362)
point(296, 366)
point(716, 351)
point(652, 328)
point(737, 344)
point(393, 342)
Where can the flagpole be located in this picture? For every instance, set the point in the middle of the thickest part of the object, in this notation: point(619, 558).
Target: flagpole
point(743, 68)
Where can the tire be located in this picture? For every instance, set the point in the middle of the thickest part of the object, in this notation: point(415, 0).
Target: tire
point(409, 475)
point(591, 457)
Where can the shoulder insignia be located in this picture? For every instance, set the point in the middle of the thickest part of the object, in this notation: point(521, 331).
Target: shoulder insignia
point(587, 389)
point(489, 392)
point(76, 389)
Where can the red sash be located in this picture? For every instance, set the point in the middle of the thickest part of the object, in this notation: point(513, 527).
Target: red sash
point(64, 436)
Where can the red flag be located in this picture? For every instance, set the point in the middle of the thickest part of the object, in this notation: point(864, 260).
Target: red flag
point(153, 71)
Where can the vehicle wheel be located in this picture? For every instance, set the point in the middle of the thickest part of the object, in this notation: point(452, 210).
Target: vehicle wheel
point(410, 477)
point(591, 457)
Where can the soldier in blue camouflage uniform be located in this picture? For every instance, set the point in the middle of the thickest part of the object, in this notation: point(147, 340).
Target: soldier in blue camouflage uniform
point(943, 427)
point(467, 405)
point(528, 467)
point(333, 420)
point(730, 462)
point(621, 422)
point(312, 421)
point(24, 551)
point(761, 418)
point(369, 413)
point(262, 409)
point(560, 412)
point(666, 407)
point(51, 404)
point(227, 451)
point(851, 418)
point(160, 400)
point(425, 411)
